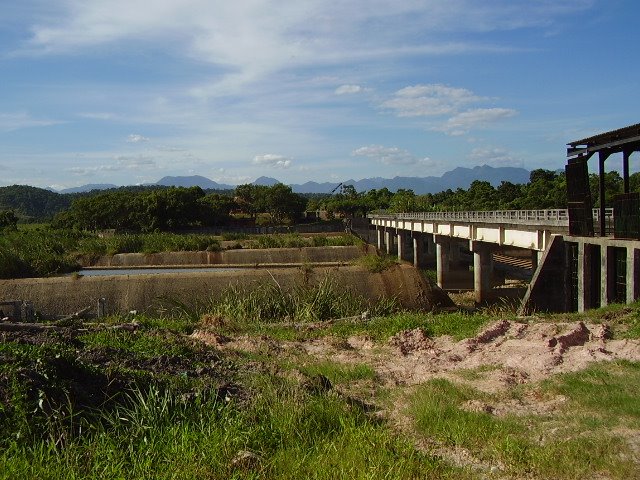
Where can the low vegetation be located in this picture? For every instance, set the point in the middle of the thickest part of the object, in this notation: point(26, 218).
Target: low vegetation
point(146, 400)
point(377, 263)
point(43, 251)
point(268, 302)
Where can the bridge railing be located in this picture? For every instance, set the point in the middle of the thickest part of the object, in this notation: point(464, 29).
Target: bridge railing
point(555, 217)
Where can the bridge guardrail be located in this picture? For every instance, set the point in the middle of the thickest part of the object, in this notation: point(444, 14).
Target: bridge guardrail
point(554, 217)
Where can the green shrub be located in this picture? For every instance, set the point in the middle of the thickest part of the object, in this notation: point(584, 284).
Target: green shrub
point(377, 263)
point(268, 302)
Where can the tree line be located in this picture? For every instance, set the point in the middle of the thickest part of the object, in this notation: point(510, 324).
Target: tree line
point(546, 190)
point(178, 208)
point(147, 209)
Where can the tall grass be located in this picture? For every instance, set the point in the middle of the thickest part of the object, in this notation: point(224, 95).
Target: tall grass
point(377, 263)
point(37, 253)
point(293, 434)
point(269, 302)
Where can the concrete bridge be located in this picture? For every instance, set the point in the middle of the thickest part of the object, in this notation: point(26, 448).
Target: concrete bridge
point(576, 274)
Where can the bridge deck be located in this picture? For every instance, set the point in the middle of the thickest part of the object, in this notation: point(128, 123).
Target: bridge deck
point(530, 229)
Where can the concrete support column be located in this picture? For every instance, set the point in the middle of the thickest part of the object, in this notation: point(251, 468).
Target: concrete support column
point(607, 275)
point(418, 250)
point(402, 241)
point(443, 248)
point(482, 270)
point(536, 258)
point(633, 274)
point(430, 244)
point(455, 253)
point(379, 237)
point(429, 251)
point(584, 276)
point(388, 241)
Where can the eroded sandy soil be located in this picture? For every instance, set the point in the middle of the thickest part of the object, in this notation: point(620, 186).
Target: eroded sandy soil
point(504, 354)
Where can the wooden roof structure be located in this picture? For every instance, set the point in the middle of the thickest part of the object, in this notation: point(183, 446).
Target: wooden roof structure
point(624, 140)
point(620, 140)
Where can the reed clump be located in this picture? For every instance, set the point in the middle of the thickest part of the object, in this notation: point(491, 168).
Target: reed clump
point(304, 302)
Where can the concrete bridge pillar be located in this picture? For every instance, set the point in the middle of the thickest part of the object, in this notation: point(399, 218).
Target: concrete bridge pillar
point(607, 275)
point(402, 244)
point(443, 257)
point(536, 258)
point(418, 250)
point(482, 270)
point(585, 283)
point(379, 237)
point(454, 254)
point(633, 274)
point(388, 241)
point(429, 249)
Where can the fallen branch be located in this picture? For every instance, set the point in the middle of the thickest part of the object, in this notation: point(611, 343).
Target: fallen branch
point(41, 327)
point(74, 316)
point(25, 327)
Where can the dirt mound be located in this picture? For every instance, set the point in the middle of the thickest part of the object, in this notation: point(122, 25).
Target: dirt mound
point(411, 341)
point(508, 353)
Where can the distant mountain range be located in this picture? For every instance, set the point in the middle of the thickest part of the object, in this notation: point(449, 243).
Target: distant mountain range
point(88, 188)
point(193, 181)
point(459, 177)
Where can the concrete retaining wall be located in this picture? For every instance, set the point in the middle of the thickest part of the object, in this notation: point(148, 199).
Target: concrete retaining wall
point(234, 257)
point(58, 296)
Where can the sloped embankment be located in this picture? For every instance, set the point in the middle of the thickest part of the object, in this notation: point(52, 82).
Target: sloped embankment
point(233, 257)
point(55, 296)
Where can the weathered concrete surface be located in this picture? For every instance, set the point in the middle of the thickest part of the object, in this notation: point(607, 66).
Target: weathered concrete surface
point(233, 257)
point(64, 295)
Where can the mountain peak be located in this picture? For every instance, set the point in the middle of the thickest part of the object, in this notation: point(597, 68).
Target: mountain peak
point(193, 181)
point(266, 181)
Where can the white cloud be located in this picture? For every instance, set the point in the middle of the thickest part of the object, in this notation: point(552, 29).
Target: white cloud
point(271, 160)
point(136, 138)
point(250, 39)
point(348, 89)
point(136, 161)
point(462, 122)
point(390, 155)
point(89, 171)
point(497, 157)
point(120, 163)
point(98, 115)
point(429, 100)
point(20, 120)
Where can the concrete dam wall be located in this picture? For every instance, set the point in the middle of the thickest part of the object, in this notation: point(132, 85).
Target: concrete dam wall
point(123, 293)
point(233, 257)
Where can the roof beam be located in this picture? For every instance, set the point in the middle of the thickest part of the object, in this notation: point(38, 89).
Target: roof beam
point(574, 150)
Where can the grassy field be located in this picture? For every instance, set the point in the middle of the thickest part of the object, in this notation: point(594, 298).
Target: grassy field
point(149, 400)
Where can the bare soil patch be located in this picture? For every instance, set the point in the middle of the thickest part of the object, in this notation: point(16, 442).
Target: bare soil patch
point(504, 354)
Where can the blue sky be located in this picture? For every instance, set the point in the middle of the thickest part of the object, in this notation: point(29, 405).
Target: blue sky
point(128, 91)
